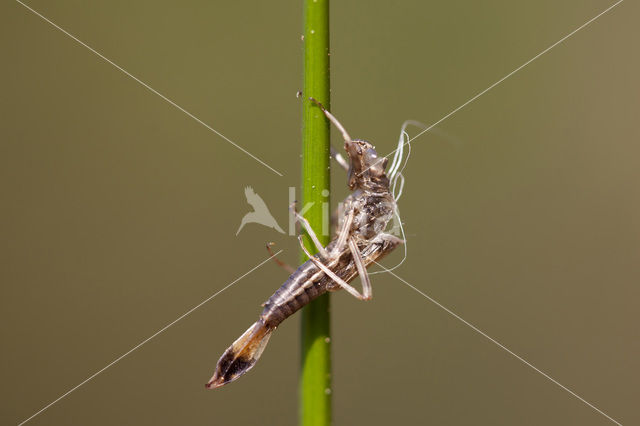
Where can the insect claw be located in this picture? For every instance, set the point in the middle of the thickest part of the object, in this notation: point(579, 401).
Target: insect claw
point(315, 101)
point(345, 135)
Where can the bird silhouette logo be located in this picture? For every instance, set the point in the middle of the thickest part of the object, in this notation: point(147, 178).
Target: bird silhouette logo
point(260, 213)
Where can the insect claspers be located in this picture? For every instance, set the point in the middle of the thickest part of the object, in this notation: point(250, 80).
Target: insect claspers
point(360, 242)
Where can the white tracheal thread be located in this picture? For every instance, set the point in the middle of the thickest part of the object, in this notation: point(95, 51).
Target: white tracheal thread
point(396, 179)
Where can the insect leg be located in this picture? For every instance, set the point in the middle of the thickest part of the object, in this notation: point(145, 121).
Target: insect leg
point(280, 263)
point(310, 232)
point(334, 120)
point(339, 159)
point(344, 233)
point(342, 283)
point(362, 270)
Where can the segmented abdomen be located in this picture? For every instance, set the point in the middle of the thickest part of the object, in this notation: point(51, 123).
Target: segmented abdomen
point(308, 282)
point(304, 285)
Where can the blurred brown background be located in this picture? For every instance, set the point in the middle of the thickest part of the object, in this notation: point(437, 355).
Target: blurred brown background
point(119, 212)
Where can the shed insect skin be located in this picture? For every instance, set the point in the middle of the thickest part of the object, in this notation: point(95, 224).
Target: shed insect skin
point(360, 242)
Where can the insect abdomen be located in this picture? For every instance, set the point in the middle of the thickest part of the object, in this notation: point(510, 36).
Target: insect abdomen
point(242, 355)
point(304, 285)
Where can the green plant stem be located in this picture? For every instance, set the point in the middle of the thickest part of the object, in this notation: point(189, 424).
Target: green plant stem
point(315, 377)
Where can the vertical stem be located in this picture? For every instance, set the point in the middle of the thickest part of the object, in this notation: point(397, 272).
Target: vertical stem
point(315, 378)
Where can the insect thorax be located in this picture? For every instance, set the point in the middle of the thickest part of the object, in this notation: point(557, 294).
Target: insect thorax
point(373, 213)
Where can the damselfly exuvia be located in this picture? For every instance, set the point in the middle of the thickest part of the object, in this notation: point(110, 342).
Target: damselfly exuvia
point(361, 240)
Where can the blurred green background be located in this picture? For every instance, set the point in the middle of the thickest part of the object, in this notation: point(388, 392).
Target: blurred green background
point(119, 212)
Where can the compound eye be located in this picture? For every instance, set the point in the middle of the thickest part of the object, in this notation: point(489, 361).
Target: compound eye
point(371, 155)
point(375, 164)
